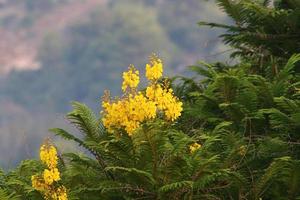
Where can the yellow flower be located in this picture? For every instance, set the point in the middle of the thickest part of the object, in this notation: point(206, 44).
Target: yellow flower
point(165, 101)
point(57, 194)
point(195, 146)
point(242, 150)
point(38, 184)
point(62, 193)
point(45, 183)
point(48, 155)
point(154, 70)
point(134, 108)
point(51, 176)
point(131, 79)
point(128, 113)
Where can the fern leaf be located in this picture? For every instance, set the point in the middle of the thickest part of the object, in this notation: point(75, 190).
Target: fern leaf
point(175, 186)
point(85, 120)
point(285, 73)
point(274, 171)
point(133, 171)
point(5, 196)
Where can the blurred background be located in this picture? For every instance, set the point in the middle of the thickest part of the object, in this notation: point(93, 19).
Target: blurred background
point(56, 51)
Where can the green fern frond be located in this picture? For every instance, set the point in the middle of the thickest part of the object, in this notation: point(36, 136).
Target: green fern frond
point(175, 186)
point(278, 167)
point(278, 120)
point(204, 69)
point(293, 180)
point(288, 105)
point(5, 196)
point(286, 72)
point(232, 8)
point(68, 136)
point(85, 120)
point(133, 172)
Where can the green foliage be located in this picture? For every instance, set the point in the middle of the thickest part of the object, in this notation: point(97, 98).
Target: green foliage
point(247, 120)
point(5, 196)
point(154, 163)
point(260, 32)
point(17, 183)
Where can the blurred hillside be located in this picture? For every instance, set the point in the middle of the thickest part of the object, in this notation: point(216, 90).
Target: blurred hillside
point(55, 51)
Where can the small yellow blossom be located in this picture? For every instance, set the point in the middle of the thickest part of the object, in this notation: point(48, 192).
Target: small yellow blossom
point(38, 183)
point(165, 101)
point(242, 150)
point(195, 146)
point(131, 79)
point(51, 176)
point(154, 70)
point(48, 155)
point(128, 113)
point(60, 194)
point(47, 183)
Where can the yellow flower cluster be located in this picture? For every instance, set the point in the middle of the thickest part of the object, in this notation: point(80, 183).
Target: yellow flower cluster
point(154, 70)
point(59, 194)
point(48, 156)
point(242, 150)
point(136, 107)
point(165, 101)
point(131, 79)
point(128, 112)
point(195, 146)
point(38, 183)
point(51, 175)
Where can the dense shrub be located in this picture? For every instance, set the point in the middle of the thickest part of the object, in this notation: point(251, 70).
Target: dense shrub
point(232, 132)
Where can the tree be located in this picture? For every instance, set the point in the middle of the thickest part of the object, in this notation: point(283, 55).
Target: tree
point(262, 33)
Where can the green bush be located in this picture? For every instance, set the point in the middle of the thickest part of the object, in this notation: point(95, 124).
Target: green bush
point(237, 138)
